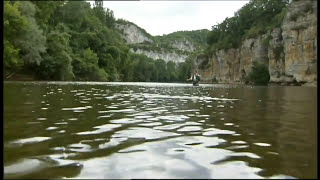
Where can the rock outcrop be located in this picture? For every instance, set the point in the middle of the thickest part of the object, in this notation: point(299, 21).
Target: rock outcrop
point(290, 52)
point(132, 34)
point(166, 56)
point(299, 33)
point(184, 45)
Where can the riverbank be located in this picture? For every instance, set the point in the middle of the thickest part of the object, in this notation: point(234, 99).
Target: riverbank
point(313, 84)
point(19, 77)
point(28, 77)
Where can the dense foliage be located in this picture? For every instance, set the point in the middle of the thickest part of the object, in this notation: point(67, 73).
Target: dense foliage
point(196, 40)
point(198, 37)
point(253, 19)
point(259, 74)
point(70, 40)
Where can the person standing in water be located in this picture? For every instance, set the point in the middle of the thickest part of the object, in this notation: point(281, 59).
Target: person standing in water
point(195, 78)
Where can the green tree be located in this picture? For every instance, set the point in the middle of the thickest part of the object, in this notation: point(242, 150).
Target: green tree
point(184, 69)
point(172, 71)
point(11, 60)
point(259, 74)
point(99, 10)
point(15, 26)
point(161, 70)
point(32, 43)
point(92, 69)
point(253, 19)
point(110, 20)
point(44, 11)
point(98, 3)
point(57, 60)
point(73, 14)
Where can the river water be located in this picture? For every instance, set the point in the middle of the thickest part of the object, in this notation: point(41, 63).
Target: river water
point(158, 130)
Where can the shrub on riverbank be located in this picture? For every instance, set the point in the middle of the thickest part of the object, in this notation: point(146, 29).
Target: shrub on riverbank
point(259, 74)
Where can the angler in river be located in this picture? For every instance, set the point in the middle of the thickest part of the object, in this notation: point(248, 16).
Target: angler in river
point(195, 78)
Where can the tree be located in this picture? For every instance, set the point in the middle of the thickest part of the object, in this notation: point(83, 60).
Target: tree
point(172, 72)
point(70, 40)
point(73, 14)
point(11, 58)
point(161, 70)
point(110, 20)
point(44, 11)
point(259, 74)
point(57, 60)
point(92, 69)
point(98, 3)
point(32, 43)
point(15, 25)
point(99, 10)
point(184, 69)
point(253, 19)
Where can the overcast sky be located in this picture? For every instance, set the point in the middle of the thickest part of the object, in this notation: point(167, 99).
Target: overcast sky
point(164, 17)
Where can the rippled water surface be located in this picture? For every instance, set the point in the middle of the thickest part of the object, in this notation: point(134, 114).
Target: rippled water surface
point(157, 130)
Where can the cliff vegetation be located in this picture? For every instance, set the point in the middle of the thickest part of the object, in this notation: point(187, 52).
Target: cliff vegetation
point(279, 37)
point(71, 40)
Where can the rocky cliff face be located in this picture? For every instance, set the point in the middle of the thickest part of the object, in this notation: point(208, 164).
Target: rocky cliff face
point(166, 56)
point(290, 52)
point(300, 41)
point(234, 65)
point(132, 34)
point(184, 45)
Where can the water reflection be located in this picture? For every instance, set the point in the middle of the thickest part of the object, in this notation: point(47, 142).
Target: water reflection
point(148, 130)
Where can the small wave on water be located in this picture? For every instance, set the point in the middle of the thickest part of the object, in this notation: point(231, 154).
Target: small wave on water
point(137, 130)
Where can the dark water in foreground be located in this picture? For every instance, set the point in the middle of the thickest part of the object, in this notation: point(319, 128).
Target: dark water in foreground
point(154, 130)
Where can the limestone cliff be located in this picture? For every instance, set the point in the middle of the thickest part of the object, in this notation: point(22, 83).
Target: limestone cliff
point(300, 41)
point(290, 52)
point(132, 34)
point(165, 55)
point(171, 47)
point(184, 45)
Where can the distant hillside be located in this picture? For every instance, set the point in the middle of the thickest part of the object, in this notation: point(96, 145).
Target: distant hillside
point(176, 47)
point(180, 40)
point(197, 37)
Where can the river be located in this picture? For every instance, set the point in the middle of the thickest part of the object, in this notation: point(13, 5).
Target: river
point(158, 130)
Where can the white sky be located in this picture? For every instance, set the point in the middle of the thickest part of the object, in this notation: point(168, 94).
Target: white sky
point(164, 17)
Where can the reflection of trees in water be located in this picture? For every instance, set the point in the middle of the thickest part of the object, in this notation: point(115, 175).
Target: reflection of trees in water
point(268, 112)
point(22, 104)
point(279, 119)
point(19, 103)
point(297, 143)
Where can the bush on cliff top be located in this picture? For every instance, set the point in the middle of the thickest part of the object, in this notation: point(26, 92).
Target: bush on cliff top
point(253, 19)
